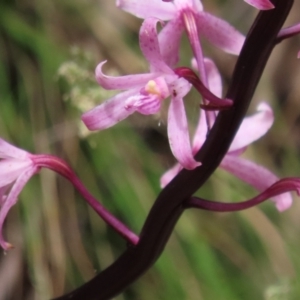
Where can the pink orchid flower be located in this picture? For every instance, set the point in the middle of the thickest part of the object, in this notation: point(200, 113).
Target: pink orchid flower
point(144, 94)
point(186, 15)
point(251, 129)
point(16, 168)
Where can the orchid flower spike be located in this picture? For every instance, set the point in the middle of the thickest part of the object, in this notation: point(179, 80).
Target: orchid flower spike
point(251, 129)
point(16, 168)
point(144, 93)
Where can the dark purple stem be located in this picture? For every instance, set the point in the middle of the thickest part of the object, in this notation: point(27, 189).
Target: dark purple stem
point(169, 205)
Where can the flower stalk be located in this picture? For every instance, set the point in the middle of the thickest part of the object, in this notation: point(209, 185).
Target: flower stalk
point(61, 167)
point(281, 186)
point(216, 102)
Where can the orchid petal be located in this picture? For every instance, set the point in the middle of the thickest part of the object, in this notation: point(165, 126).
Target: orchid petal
point(169, 40)
point(214, 81)
point(215, 85)
point(178, 127)
point(122, 82)
point(150, 46)
point(12, 199)
point(213, 77)
point(109, 113)
point(10, 169)
point(257, 176)
point(147, 105)
point(200, 133)
point(261, 4)
point(253, 127)
point(9, 151)
point(169, 175)
point(146, 9)
point(220, 33)
point(3, 193)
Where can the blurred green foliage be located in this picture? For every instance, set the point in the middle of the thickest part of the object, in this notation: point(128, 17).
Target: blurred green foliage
point(48, 51)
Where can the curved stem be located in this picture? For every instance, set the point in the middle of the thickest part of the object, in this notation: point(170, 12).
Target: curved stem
point(216, 206)
point(216, 102)
point(59, 166)
point(279, 187)
point(169, 205)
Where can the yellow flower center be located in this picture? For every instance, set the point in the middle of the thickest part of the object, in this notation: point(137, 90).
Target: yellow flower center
point(152, 88)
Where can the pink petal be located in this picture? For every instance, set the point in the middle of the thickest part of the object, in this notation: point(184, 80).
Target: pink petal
point(255, 175)
point(146, 9)
point(3, 191)
point(122, 82)
point(12, 199)
point(9, 151)
point(146, 105)
point(178, 132)
point(150, 46)
point(220, 33)
point(200, 133)
point(213, 77)
point(215, 85)
point(261, 4)
point(253, 127)
point(10, 169)
point(169, 41)
point(109, 113)
point(169, 175)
